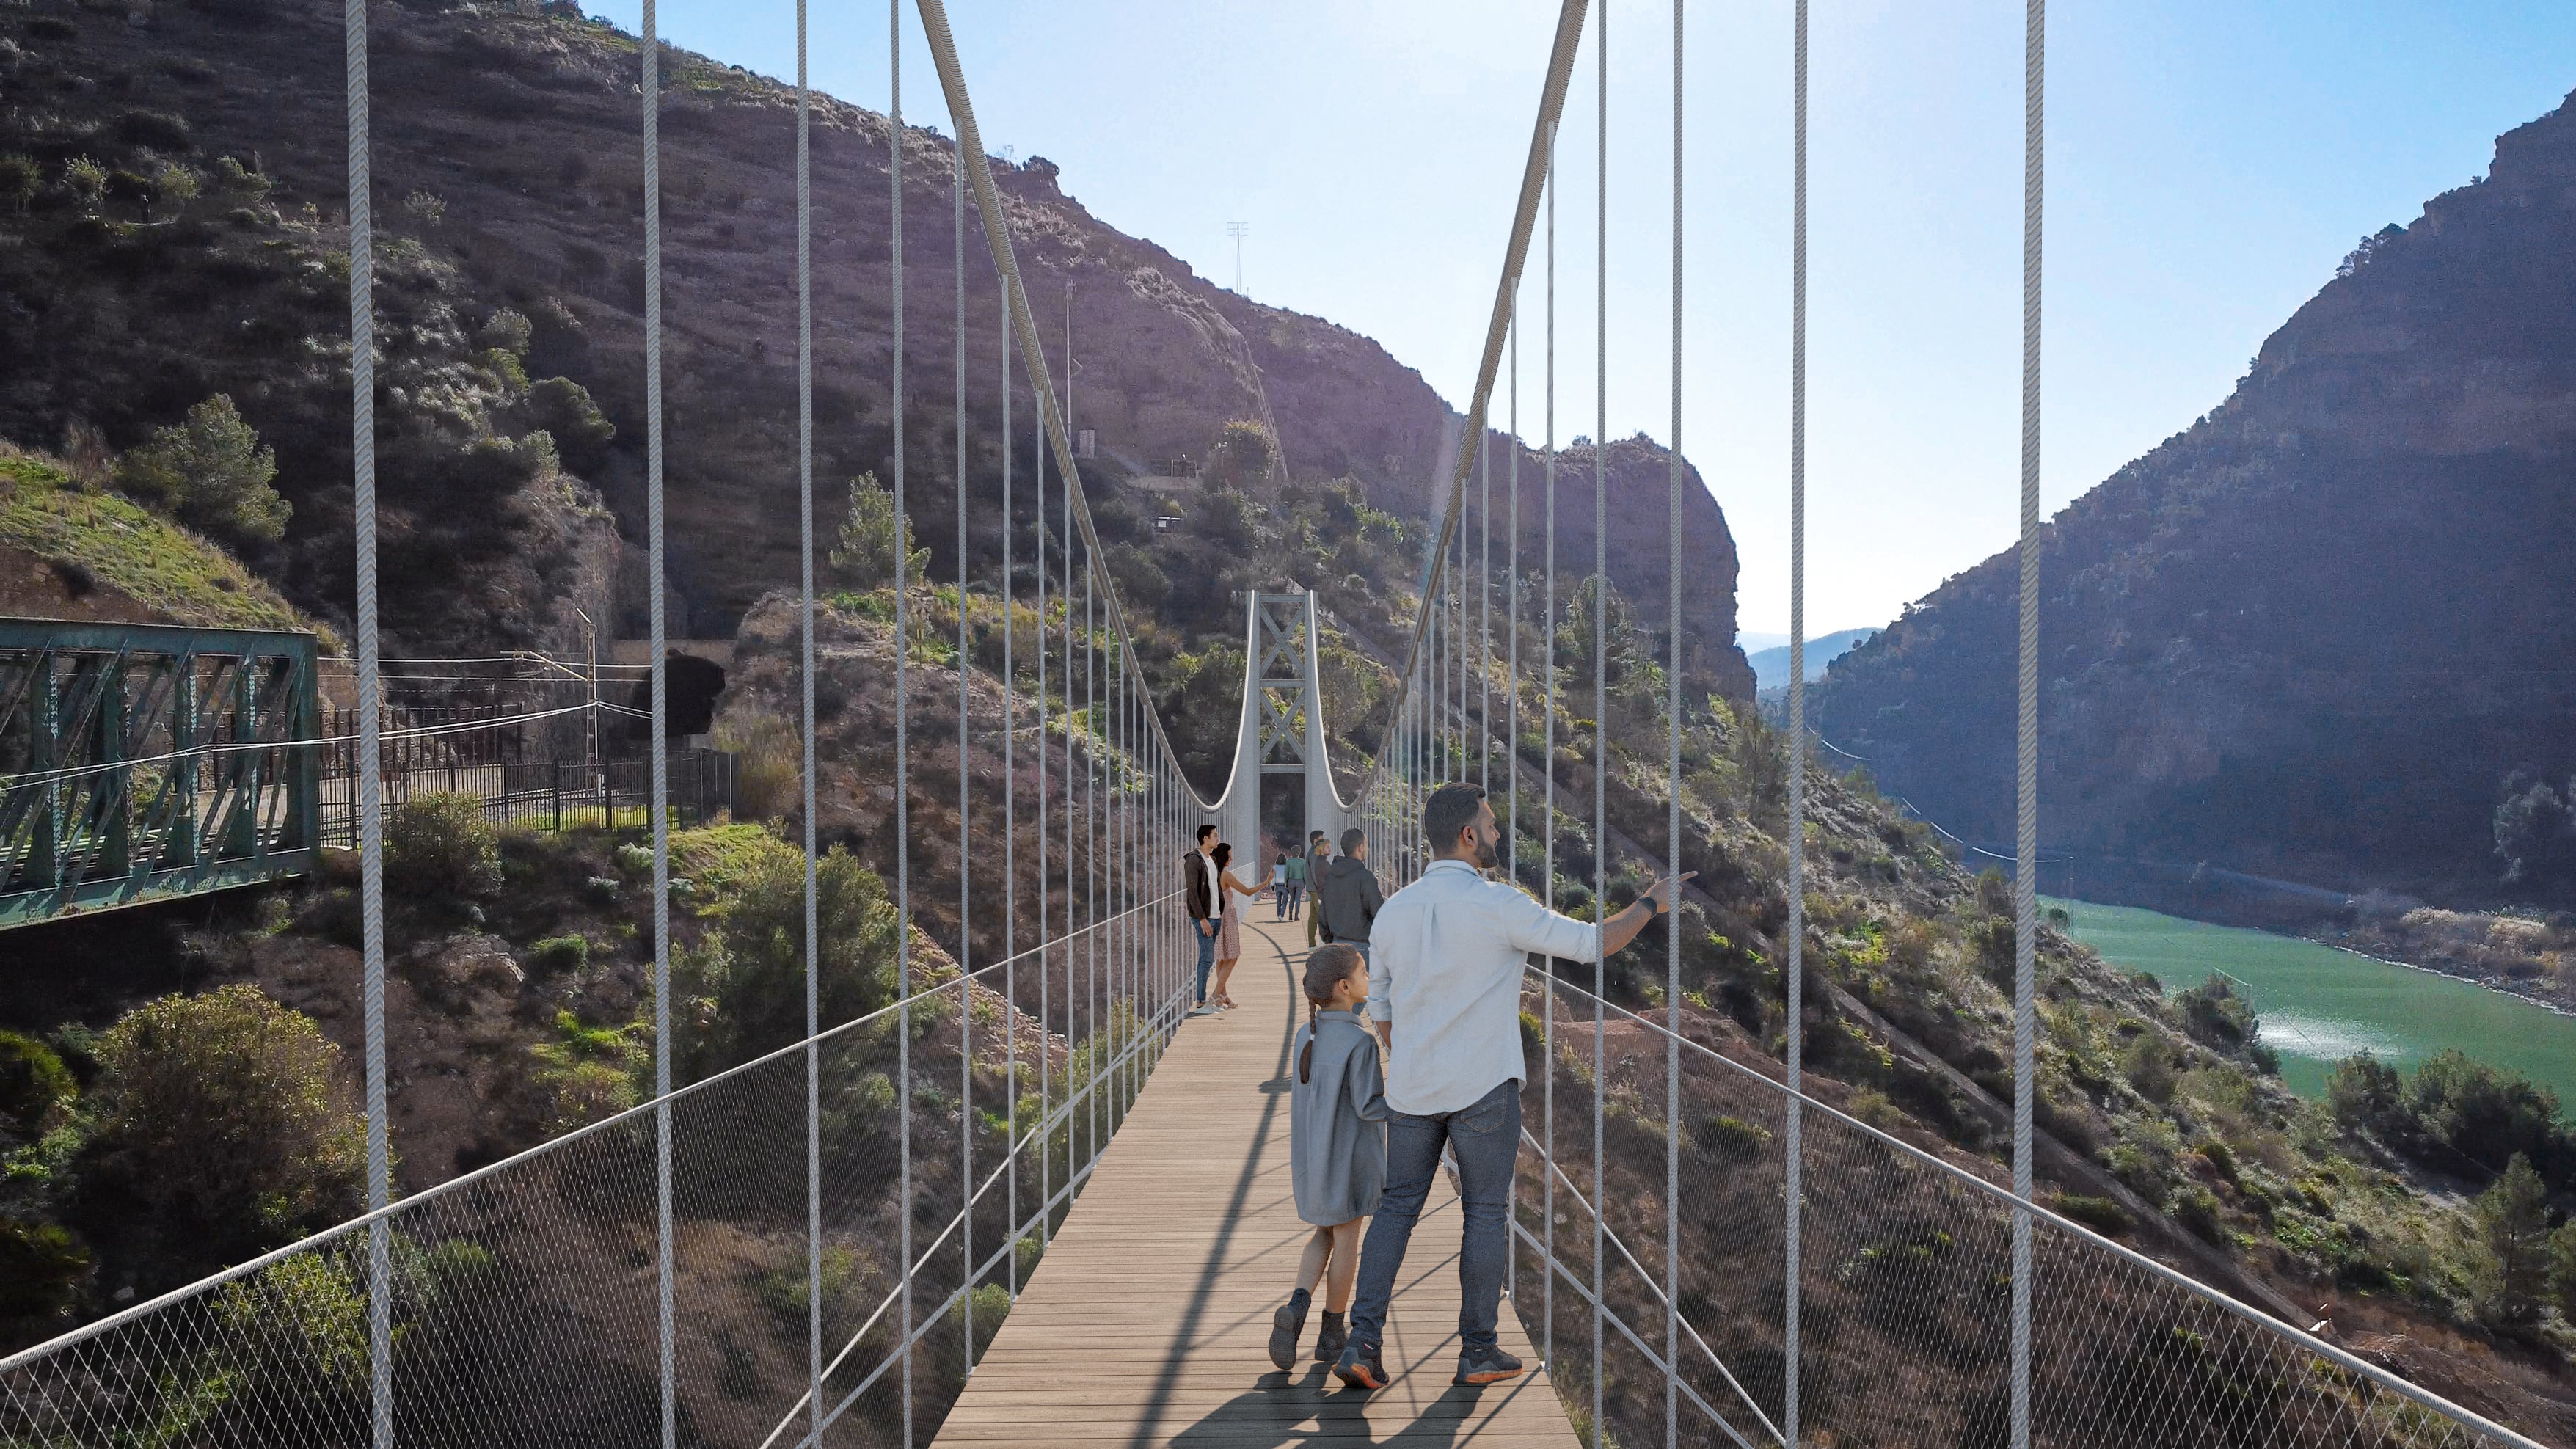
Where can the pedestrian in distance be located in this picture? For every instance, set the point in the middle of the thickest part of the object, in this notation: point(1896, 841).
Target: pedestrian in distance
point(1279, 887)
point(1445, 997)
point(1348, 898)
point(1296, 867)
point(1203, 898)
point(1336, 1150)
point(1319, 854)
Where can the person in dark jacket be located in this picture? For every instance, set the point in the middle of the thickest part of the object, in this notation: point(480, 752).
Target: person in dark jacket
point(1198, 876)
point(1319, 854)
point(1348, 897)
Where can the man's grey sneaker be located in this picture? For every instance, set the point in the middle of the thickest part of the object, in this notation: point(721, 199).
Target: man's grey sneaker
point(1285, 1325)
point(1359, 1367)
point(1485, 1366)
point(1204, 1009)
point(1332, 1337)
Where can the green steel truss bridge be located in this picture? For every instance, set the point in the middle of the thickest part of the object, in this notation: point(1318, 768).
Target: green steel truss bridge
point(139, 763)
point(813, 1247)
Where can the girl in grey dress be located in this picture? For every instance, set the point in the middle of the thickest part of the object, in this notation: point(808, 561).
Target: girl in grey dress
point(1336, 1147)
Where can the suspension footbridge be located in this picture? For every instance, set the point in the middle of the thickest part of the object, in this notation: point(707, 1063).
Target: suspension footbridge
point(1149, 1321)
point(1032, 1199)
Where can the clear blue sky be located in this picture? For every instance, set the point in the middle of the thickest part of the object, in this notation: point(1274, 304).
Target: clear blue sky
point(2209, 164)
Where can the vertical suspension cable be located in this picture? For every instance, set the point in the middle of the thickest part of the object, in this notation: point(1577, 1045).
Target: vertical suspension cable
point(651, 48)
point(1072, 898)
point(1600, 677)
point(371, 799)
point(805, 616)
point(1091, 999)
point(1122, 856)
point(1547, 811)
point(1010, 821)
point(1458, 643)
point(1673, 818)
point(965, 833)
point(1046, 1013)
point(2026, 823)
point(1485, 623)
point(902, 698)
point(1793, 1154)
point(1512, 738)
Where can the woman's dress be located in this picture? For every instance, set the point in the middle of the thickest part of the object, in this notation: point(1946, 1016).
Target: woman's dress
point(1229, 931)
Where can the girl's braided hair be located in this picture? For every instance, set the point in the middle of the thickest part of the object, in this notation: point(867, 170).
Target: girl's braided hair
point(1326, 968)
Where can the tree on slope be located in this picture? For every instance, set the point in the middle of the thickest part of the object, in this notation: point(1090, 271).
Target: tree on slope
point(213, 472)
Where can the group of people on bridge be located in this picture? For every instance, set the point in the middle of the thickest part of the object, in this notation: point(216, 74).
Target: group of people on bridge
point(1436, 1067)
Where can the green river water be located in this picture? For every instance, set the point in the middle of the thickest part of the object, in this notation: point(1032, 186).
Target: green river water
point(2319, 1004)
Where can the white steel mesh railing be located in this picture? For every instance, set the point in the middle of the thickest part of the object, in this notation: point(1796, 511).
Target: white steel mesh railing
point(524, 1298)
point(1905, 1286)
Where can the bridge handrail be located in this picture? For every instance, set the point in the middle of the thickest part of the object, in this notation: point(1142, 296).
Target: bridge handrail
point(2003, 1197)
point(414, 1202)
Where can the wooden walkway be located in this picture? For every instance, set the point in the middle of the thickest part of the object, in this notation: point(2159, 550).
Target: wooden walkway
point(1146, 1323)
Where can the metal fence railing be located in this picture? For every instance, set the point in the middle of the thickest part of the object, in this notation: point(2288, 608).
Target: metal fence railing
point(547, 794)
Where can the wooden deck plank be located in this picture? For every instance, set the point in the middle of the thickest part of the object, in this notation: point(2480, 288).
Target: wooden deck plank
point(1147, 1322)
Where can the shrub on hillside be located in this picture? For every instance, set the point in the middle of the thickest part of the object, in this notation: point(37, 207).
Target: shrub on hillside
point(32, 1080)
point(864, 556)
point(556, 955)
point(2485, 1114)
point(755, 975)
point(2217, 1017)
point(507, 329)
point(212, 471)
point(86, 180)
point(771, 772)
point(1734, 1137)
point(439, 848)
point(19, 178)
point(2562, 1267)
point(2456, 1114)
point(159, 130)
point(2100, 1214)
point(2512, 1218)
point(590, 1072)
point(1241, 454)
point(225, 1108)
point(2366, 1093)
point(2535, 835)
point(41, 1265)
point(568, 414)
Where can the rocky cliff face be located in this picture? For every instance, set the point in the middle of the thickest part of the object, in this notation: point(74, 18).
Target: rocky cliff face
point(508, 174)
point(2311, 634)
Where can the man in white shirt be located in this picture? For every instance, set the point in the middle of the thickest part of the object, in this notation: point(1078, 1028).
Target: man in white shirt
point(1445, 993)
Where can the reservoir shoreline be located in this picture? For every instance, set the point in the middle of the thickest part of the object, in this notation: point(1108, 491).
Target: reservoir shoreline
point(2321, 1001)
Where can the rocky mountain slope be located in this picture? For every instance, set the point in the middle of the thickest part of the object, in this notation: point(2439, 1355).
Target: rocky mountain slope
point(508, 176)
point(2316, 634)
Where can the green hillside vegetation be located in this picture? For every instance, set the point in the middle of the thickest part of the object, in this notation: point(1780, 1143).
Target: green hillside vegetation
point(103, 538)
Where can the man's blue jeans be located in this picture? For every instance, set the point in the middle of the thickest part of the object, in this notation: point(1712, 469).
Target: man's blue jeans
point(1205, 933)
point(1487, 1140)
